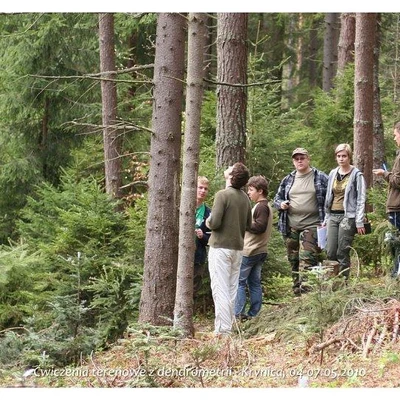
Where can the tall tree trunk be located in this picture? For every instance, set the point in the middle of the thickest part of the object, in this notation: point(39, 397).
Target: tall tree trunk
point(396, 57)
point(44, 138)
point(132, 40)
point(364, 93)
point(347, 38)
point(232, 94)
point(289, 68)
point(112, 141)
point(277, 50)
point(162, 229)
point(210, 59)
point(273, 26)
point(197, 37)
point(313, 53)
point(331, 38)
point(378, 131)
point(299, 50)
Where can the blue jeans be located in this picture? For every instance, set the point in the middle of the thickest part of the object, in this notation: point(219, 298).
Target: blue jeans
point(250, 276)
point(394, 219)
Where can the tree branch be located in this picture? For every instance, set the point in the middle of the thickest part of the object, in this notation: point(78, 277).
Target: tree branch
point(136, 183)
point(239, 84)
point(100, 75)
point(116, 127)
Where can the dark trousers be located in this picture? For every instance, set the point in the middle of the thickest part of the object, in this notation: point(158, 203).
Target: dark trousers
point(394, 219)
point(198, 275)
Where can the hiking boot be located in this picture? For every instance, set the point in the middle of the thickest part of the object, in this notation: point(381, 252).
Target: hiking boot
point(298, 291)
point(242, 317)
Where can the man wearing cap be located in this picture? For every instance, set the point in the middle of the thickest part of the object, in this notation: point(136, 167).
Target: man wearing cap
point(300, 202)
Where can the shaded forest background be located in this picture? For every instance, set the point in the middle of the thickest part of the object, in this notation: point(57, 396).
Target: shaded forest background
point(71, 257)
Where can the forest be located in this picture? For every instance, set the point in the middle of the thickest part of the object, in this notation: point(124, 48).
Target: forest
point(108, 119)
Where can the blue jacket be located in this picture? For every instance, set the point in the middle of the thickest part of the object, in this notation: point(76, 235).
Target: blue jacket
point(320, 182)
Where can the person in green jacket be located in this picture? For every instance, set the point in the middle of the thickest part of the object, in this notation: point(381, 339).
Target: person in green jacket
point(202, 234)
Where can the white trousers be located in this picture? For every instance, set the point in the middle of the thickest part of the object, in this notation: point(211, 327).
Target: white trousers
point(224, 267)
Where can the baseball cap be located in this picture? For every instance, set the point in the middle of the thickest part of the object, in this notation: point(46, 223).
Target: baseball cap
point(299, 150)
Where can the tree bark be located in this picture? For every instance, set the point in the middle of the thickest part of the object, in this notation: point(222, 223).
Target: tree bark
point(210, 58)
point(232, 97)
point(197, 37)
point(364, 93)
point(162, 229)
point(313, 53)
point(112, 140)
point(276, 47)
point(378, 131)
point(331, 38)
point(347, 38)
point(289, 68)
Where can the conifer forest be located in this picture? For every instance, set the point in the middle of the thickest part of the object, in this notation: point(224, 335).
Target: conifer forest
point(107, 120)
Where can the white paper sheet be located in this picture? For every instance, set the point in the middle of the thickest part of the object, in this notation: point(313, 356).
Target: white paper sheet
point(321, 232)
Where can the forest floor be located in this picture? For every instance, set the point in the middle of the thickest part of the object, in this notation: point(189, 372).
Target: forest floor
point(362, 350)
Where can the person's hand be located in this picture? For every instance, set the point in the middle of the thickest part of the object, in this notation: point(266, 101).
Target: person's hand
point(378, 171)
point(199, 233)
point(361, 231)
point(285, 205)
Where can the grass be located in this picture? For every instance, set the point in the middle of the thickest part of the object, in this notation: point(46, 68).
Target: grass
point(277, 349)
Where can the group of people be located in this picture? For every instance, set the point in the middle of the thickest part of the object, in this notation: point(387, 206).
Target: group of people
point(237, 245)
point(307, 199)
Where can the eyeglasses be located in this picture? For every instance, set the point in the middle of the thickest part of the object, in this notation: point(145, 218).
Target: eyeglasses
point(299, 158)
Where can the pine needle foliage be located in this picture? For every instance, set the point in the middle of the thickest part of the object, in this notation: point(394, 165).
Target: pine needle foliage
point(309, 316)
point(73, 280)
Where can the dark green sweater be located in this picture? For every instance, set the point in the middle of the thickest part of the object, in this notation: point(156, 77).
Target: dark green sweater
point(230, 217)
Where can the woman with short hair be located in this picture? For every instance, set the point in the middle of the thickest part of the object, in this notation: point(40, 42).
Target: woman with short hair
point(344, 208)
